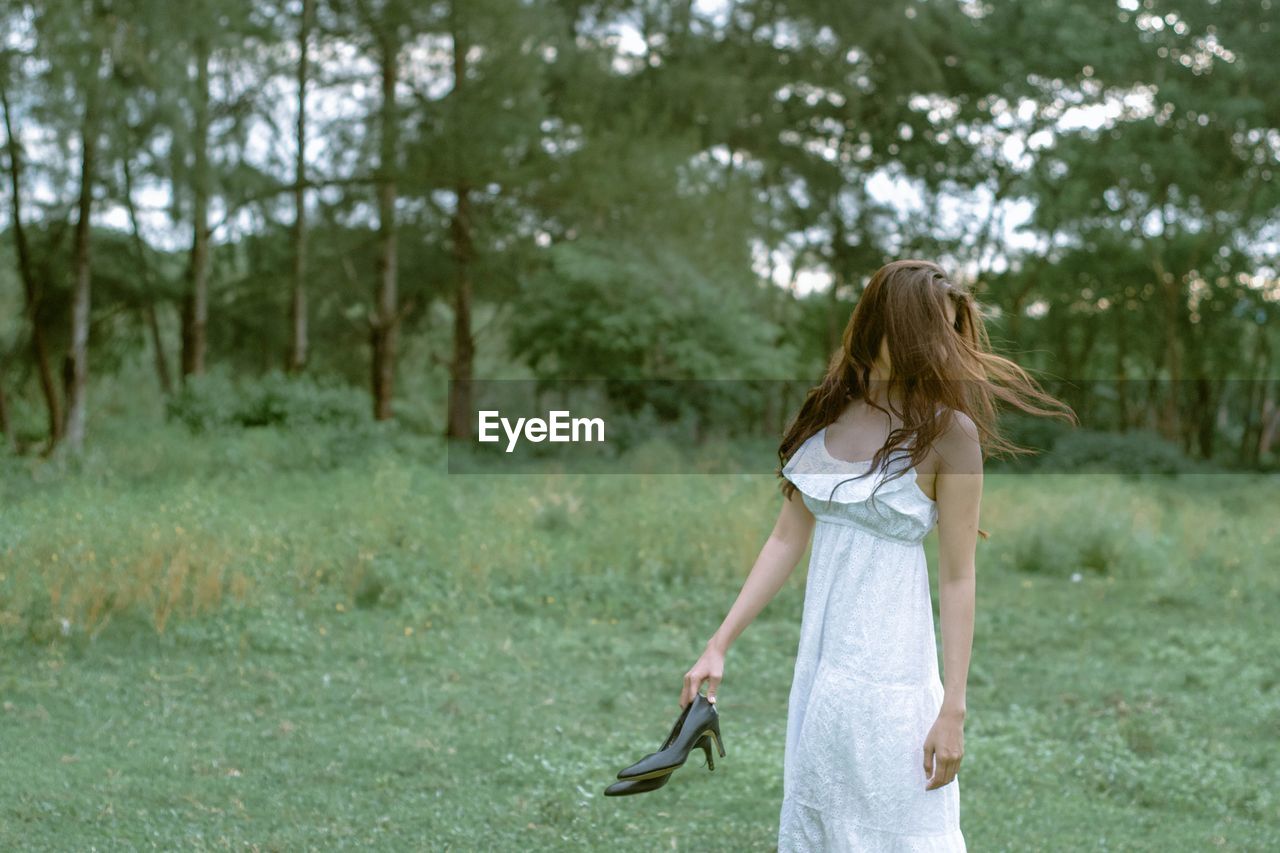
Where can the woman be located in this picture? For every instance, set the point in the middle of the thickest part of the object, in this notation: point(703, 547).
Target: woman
point(887, 447)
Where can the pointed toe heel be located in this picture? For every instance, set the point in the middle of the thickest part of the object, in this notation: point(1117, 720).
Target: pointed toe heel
point(698, 721)
point(628, 787)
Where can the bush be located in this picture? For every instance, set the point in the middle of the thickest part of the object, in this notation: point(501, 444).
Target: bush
point(1036, 433)
point(1136, 452)
point(1085, 538)
point(215, 401)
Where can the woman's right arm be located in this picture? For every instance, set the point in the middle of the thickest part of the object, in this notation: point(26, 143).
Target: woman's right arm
point(778, 558)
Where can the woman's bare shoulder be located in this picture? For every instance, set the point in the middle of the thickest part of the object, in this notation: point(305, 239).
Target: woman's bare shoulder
point(958, 447)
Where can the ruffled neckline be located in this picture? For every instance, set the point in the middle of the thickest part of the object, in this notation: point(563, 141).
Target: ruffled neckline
point(816, 473)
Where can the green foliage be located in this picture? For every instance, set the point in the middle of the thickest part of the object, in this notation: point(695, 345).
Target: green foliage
point(616, 312)
point(215, 401)
point(1078, 525)
point(1061, 447)
point(1095, 546)
point(1033, 433)
point(612, 312)
point(382, 596)
point(1136, 452)
point(194, 628)
point(163, 531)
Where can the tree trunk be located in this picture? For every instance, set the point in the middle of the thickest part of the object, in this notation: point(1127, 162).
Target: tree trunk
point(298, 310)
point(31, 288)
point(149, 310)
point(384, 327)
point(1206, 408)
point(1270, 423)
point(462, 366)
point(76, 367)
point(1085, 396)
point(6, 426)
point(461, 369)
point(1122, 383)
point(157, 345)
point(1255, 403)
point(839, 245)
point(195, 313)
point(1170, 419)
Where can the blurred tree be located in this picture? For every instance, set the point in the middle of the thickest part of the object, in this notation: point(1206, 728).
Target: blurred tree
point(621, 188)
point(76, 37)
point(11, 69)
point(1182, 176)
point(297, 357)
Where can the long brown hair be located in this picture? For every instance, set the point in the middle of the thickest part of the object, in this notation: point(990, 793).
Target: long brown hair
point(937, 367)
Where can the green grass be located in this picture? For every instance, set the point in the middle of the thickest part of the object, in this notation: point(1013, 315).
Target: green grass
point(298, 640)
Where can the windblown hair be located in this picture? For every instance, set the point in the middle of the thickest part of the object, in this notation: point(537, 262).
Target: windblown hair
point(937, 368)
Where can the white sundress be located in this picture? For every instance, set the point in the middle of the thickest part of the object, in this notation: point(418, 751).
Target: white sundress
point(866, 688)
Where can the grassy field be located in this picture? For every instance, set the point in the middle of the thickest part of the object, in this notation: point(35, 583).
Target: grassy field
point(274, 640)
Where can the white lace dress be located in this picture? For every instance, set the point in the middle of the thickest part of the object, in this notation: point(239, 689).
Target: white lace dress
point(866, 688)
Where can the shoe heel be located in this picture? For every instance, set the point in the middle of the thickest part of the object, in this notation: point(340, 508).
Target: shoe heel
point(719, 741)
point(706, 747)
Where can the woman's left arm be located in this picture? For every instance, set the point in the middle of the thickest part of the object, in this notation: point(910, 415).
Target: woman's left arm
point(959, 496)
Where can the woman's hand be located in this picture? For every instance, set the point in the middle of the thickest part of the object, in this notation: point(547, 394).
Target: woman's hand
point(709, 666)
point(943, 749)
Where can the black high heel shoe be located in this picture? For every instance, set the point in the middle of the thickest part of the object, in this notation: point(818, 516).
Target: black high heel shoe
point(628, 786)
point(699, 719)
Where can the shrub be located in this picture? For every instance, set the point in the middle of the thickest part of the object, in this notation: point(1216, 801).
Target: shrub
point(1093, 529)
point(204, 402)
point(1135, 452)
point(215, 401)
point(1052, 552)
point(1036, 433)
